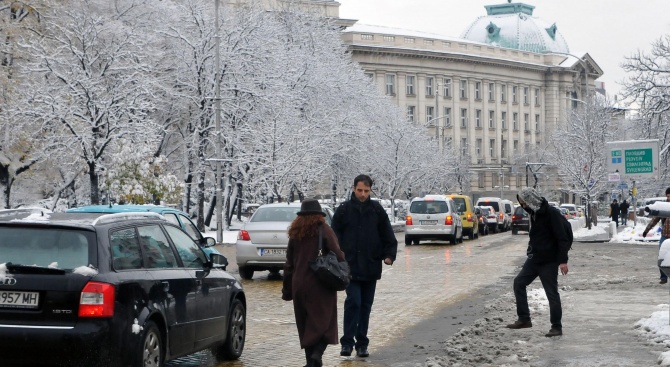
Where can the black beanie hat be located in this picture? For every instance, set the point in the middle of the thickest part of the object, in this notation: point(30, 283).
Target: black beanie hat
point(667, 191)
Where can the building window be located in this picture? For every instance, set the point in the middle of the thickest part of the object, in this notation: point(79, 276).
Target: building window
point(446, 44)
point(478, 147)
point(464, 89)
point(428, 42)
point(503, 93)
point(525, 95)
point(492, 148)
point(492, 121)
point(514, 93)
point(503, 147)
point(537, 96)
point(409, 40)
point(526, 147)
point(478, 90)
point(447, 117)
point(447, 87)
point(390, 84)
point(429, 86)
point(411, 110)
point(503, 120)
point(367, 37)
point(515, 119)
point(492, 91)
point(410, 85)
point(449, 142)
point(370, 75)
point(525, 121)
point(389, 38)
point(537, 123)
point(429, 114)
point(464, 146)
point(494, 180)
point(481, 178)
point(516, 147)
point(464, 117)
point(478, 116)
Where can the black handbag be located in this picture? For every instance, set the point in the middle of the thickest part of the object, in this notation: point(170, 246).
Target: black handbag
point(332, 274)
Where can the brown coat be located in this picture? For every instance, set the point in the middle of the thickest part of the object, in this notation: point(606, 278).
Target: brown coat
point(315, 307)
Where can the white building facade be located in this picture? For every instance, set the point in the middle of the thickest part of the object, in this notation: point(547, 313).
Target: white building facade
point(496, 93)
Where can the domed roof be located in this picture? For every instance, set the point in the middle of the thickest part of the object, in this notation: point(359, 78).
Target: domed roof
point(513, 26)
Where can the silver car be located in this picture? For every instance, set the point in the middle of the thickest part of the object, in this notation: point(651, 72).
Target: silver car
point(263, 240)
point(433, 217)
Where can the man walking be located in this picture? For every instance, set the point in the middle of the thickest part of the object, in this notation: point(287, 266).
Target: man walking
point(614, 212)
point(665, 232)
point(548, 245)
point(623, 208)
point(367, 239)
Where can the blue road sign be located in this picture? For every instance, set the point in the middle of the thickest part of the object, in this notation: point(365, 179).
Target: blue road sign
point(622, 186)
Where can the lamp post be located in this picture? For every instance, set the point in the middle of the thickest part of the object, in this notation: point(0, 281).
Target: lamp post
point(217, 118)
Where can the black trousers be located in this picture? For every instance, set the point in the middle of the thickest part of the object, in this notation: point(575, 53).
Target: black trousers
point(548, 274)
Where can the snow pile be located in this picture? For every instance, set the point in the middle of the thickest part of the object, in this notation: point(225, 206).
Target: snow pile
point(656, 328)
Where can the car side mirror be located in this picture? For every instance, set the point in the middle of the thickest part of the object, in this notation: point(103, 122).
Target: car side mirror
point(207, 242)
point(218, 261)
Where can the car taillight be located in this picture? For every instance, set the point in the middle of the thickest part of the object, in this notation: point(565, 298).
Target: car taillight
point(470, 217)
point(514, 217)
point(408, 220)
point(449, 221)
point(97, 300)
point(243, 235)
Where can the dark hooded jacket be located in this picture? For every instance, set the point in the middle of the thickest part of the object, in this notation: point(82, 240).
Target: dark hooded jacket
point(549, 241)
point(366, 237)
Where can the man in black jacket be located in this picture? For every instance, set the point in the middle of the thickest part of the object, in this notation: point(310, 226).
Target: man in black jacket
point(547, 252)
point(365, 235)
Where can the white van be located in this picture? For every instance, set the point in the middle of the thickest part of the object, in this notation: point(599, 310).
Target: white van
point(499, 207)
point(572, 210)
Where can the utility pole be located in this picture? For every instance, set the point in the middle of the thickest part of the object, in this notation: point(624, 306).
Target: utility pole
point(217, 118)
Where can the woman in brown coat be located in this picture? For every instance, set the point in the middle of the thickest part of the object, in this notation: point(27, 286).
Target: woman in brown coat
point(315, 307)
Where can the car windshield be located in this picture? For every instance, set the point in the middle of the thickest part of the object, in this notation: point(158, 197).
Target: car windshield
point(53, 248)
point(275, 214)
point(460, 205)
point(429, 207)
point(493, 204)
point(519, 211)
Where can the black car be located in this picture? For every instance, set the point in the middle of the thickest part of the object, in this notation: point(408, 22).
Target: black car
point(128, 289)
point(520, 220)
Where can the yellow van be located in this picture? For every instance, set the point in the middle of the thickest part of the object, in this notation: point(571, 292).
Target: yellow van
point(467, 211)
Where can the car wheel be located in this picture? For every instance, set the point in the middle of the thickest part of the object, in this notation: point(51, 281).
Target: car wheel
point(408, 241)
point(246, 273)
point(232, 348)
point(416, 242)
point(515, 231)
point(452, 239)
point(150, 353)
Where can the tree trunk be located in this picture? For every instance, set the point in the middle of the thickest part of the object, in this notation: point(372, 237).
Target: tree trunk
point(6, 182)
point(95, 190)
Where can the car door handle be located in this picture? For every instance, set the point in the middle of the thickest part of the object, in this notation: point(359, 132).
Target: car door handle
point(166, 286)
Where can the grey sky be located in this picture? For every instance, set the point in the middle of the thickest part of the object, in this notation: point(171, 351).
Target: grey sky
point(607, 29)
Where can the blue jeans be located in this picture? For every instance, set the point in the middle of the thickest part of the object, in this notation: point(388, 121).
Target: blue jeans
point(357, 308)
point(660, 242)
point(548, 274)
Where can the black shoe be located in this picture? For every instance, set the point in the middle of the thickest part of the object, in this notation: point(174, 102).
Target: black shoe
point(346, 350)
point(362, 352)
point(663, 281)
point(518, 324)
point(554, 332)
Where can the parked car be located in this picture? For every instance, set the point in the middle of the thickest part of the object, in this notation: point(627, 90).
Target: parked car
point(565, 212)
point(433, 217)
point(502, 218)
point(125, 289)
point(520, 220)
point(173, 215)
point(572, 210)
point(482, 221)
point(263, 240)
point(466, 210)
point(490, 218)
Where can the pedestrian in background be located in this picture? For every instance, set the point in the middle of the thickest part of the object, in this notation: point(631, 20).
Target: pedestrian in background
point(614, 212)
point(366, 237)
point(548, 245)
point(623, 208)
point(665, 232)
point(314, 306)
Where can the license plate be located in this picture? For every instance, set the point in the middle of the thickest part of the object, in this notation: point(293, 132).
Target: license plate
point(272, 252)
point(19, 299)
point(428, 222)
